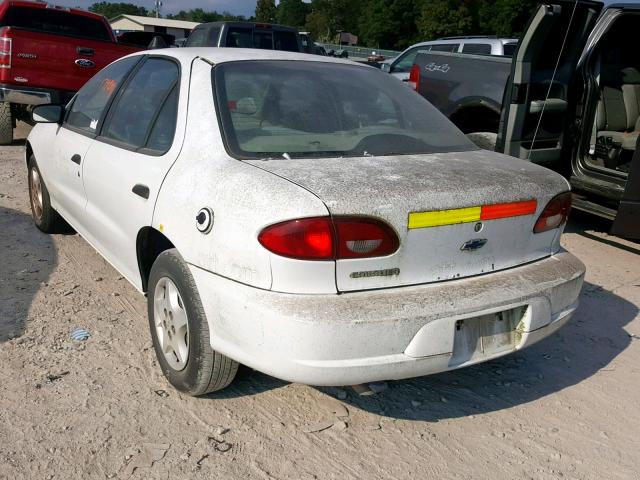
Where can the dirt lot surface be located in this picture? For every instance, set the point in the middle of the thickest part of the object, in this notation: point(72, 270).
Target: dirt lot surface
point(567, 408)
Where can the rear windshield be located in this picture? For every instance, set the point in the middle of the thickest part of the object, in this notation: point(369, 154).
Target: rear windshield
point(57, 22)
point(284, 109)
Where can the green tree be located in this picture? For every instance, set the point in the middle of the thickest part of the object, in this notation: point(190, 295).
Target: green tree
point(505, 18)
point(388, 24)
point(440, 18)
point(111, 10)
point(328, 17)
point(292, 12)
point(266, 11)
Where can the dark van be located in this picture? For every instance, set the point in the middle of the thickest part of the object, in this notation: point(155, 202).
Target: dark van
point(245, 35)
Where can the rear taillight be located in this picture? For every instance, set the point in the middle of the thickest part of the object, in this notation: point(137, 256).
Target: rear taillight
point(414, 77)
point(326, 238)
point(5, 52)
point(554, 214)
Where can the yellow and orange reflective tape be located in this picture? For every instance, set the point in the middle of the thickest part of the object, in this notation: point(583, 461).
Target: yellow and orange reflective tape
point(438, 218)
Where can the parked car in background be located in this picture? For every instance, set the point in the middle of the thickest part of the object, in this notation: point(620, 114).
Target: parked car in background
point(309, 45)
point(473, 45)
point(309, 217)
point(569, 100)
point(46, 54)
point(245, 35)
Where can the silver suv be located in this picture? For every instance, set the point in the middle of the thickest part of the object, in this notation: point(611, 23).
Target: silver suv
point(472, 45)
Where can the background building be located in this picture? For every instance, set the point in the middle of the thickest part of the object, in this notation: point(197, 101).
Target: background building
point(177, 28)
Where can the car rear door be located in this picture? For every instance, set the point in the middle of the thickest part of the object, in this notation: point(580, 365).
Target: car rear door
point(127, 163)
point(534, 110)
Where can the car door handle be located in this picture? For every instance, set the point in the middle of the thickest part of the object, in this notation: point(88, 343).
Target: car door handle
point(76, 159)
point(141, 191)
point(85, 51)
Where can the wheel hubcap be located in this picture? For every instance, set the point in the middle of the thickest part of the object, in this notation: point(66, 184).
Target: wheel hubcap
point(35, 193)
point(172, 326)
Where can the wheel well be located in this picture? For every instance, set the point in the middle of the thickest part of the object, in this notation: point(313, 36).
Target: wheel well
point(476, 119)
point(149, 244)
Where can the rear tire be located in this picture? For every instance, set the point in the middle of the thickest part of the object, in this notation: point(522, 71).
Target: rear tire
point(46, 218)
point(6, 124)
point(183, 351)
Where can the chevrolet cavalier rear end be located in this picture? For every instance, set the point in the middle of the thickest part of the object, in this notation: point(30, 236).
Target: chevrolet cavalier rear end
point(348, 232)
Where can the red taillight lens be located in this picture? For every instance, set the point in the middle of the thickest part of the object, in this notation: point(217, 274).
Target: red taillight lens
point(414, 77)
point(555, 213)
point(5, 52)
point(325, 238)
point(304, 239)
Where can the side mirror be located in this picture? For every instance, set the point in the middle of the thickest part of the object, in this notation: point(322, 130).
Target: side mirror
point(386, 67)
point(48, 114)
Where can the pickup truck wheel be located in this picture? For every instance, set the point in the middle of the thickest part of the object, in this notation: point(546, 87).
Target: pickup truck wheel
point(44, 215)
point(6, 124)
point(180, 331)
point(484, 140)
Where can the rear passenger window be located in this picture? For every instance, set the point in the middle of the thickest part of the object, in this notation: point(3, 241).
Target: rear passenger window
point(445, 47)
point(263, 39)
point(89, 104)
point(163, 131)
point(286, 41)
point(145, 113)
point(477, 48)
point(239, 38)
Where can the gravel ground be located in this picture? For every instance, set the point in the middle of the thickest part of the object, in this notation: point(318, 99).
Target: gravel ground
point(565, 408)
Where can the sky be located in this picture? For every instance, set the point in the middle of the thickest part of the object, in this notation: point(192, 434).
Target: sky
point(237, 7)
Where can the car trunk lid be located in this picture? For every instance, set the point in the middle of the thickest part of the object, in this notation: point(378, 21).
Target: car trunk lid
point(434, 203)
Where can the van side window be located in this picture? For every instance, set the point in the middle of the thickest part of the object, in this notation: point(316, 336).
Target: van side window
point(445, 47)
point(477, 48)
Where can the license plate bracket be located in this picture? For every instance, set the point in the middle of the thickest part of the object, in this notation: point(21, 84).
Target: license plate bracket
point(486, 336)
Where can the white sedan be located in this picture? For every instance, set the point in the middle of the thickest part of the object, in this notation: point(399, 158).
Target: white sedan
point(309, 217)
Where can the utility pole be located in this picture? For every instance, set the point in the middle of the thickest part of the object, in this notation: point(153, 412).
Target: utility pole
point(158, 7)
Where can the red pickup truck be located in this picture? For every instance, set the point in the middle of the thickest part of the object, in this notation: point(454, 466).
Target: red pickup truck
point(46, 54)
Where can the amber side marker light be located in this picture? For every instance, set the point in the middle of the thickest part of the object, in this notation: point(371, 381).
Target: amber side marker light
point(554, 214)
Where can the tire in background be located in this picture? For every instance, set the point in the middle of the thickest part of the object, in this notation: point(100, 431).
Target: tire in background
point(6, 124)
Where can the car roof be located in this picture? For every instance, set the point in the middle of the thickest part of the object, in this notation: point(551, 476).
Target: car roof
point(218, 55)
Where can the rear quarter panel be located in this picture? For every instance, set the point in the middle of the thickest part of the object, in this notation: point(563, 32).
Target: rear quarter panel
point(243, 198)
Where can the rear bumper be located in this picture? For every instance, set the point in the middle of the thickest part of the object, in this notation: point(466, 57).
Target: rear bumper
point(386, 334)
point(33, 96)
